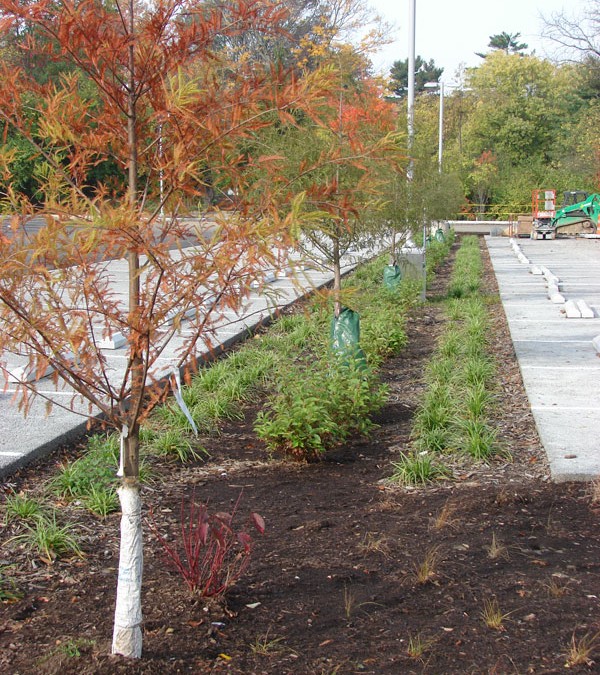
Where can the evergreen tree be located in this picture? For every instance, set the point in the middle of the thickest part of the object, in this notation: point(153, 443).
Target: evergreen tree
point(425, 71)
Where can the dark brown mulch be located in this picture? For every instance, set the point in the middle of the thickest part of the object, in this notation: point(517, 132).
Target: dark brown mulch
point(333, 585)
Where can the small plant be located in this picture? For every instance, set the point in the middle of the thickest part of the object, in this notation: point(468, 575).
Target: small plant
point(478, 371)
point(21, 506)
point(418, 645)
point(211, 555)
point(581, 649)
point(107, 445)
point(371, 543)
point(440, 370)
point(558, 586)
point(477, 400)
point(49, 540)
point(101, 500)
point(417, 469)
point(435, 439)
point(97, 467)
point(426, 570)
point(8, 589)
point(349, 603)
point(496, 549)
point(445, 518)
point(451, 344)
point(477, 438)
point(265, 644)
point(172, 443)
point(492, 615)
point(72, 647)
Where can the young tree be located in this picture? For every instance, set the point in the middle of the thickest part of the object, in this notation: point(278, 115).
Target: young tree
point(481, 180)
point(167, 112)
point(340, 161)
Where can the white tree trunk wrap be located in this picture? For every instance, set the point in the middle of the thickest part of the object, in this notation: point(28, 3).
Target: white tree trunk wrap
point(127, 635)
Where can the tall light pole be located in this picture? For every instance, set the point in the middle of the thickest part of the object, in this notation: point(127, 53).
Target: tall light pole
point(411, 84)
point(441, 128)
point(440, 86)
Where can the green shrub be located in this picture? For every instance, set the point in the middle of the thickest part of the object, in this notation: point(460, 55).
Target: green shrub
point(318, 405)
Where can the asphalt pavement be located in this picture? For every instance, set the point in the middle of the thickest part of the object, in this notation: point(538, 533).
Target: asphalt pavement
point(550, 290)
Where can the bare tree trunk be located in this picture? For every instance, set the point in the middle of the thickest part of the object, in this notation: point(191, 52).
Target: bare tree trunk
point(127, 632)
point(337, 279)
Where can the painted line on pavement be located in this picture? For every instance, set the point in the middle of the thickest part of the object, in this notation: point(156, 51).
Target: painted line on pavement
point(574, 367)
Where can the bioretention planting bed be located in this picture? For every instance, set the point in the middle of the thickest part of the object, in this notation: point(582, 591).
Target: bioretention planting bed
point(489, 567)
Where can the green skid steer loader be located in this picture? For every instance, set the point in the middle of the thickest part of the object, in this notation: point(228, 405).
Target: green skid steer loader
point(579, 214)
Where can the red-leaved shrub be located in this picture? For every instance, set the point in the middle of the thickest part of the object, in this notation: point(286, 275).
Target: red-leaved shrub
point(210, 554)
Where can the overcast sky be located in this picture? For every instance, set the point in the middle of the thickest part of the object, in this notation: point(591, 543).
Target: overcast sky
point(451, 31)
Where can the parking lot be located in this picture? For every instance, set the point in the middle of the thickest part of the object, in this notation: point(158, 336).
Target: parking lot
point(558, 360)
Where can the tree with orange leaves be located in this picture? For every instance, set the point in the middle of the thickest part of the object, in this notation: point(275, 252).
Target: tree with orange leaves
point(143, 90)
point(341, 160)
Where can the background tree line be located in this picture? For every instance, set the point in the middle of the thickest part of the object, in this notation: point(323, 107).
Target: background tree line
point(515, 123)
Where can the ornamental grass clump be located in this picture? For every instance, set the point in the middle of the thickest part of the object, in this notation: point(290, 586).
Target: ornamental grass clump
point(92, 477)
point(49, 540)
point(21, 507)
point(417, 469)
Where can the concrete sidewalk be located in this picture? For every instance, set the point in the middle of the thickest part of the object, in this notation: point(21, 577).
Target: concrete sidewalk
point(558, 361)
point(24, 439)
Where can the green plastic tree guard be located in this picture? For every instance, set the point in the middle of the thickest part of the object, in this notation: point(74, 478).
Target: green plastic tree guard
point(345, 336)
point(392, 276)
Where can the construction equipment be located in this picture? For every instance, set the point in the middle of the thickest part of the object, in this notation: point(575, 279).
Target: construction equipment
point(579, 214)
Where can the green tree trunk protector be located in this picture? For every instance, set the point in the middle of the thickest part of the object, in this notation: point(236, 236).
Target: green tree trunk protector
point(392, 276)
point(345, 336)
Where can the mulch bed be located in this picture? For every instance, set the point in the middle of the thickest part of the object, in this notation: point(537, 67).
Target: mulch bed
point(333, 584)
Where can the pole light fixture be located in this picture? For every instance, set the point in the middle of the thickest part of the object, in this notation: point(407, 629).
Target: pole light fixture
point(411, 84)
point(440, 86)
